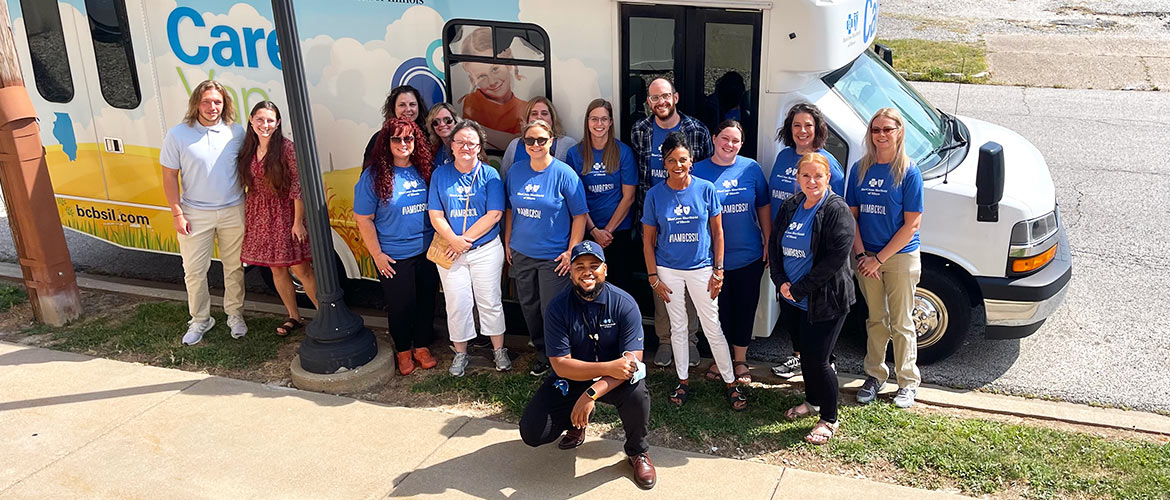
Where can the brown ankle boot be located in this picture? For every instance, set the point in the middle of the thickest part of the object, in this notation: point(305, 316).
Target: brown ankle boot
point(405, 363)
point(424, 358)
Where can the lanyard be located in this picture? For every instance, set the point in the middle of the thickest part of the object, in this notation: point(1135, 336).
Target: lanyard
point(592, 330)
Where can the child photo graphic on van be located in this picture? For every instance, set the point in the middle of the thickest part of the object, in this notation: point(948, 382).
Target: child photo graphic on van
point(491, 101)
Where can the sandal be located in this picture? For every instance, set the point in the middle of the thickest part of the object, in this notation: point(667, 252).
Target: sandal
point(743, 372)
point(821, 433)
point(713, 373)
point(737, 397)
point(290, 325)
point(800, 411)
point(679, 396)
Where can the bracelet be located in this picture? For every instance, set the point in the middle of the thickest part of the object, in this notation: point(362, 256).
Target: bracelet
point(879, 259)
point(651, 274)
point(717, 277)
point(859, 255)
point(654, 285)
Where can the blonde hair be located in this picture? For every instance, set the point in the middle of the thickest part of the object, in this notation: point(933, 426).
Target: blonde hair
point(611, 155)
point(227, 115)
point(557, 130)
point(816, 159)
point(479, 43)
point(900, 163)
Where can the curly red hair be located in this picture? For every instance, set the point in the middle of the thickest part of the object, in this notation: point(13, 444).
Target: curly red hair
point(382, 160)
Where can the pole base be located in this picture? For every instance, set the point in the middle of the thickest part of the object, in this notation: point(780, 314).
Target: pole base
point(56, 307)
point(329, 356)
point(376, 372)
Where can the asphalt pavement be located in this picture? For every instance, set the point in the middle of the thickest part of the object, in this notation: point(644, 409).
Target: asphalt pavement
point(1108, 344)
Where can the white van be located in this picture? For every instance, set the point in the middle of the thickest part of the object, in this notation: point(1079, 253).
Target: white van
point(108, 77)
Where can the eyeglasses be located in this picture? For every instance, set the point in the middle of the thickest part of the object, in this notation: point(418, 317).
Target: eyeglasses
point(406, 139)
point(655, 99)
point(537, 141)
point(446, 120)
point(464, 144)
point(599, 119)
point(882, 130)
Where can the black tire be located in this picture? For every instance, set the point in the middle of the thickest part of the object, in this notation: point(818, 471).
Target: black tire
point(942, 314)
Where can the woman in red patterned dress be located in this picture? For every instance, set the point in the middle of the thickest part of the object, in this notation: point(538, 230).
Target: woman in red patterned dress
point(274, 216)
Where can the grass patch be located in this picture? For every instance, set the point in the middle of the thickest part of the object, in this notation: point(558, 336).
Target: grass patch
point(11, 295)
point(151, 333)
point(981, 457)
point(931, 61)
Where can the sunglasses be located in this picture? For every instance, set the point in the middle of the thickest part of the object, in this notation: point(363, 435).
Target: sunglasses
point(407, 139)
point(446, 120)
point(535, 141)
point(882, 130)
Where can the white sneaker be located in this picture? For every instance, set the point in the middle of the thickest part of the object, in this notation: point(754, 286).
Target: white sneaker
point(905, 397)
point(196, 329)
point(458, 364)
point(236, 323)
point(503, 362)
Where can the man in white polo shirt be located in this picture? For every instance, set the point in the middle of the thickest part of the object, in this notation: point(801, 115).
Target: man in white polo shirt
point(200, 155)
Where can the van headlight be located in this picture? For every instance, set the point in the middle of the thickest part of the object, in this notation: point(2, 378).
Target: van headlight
point(1034, 243)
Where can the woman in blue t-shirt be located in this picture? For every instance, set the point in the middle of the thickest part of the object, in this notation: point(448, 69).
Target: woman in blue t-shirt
point(465, 203)
point(440, 121)
point(811, 271)
point(804, 132)
point(682, 241)
point(539, 108)
point(389, 206)
point(545, 218)
point(885, 194)
point(609, 175)
point(743, 193)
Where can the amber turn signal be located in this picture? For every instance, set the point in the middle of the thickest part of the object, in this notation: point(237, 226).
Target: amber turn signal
point(1029, 264)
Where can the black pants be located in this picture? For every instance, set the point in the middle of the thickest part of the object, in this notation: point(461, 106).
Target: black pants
point(738, 301)
point(618, 256)
point(537, 283)
point(410, 302)
point(817, 341)
point(547, 416)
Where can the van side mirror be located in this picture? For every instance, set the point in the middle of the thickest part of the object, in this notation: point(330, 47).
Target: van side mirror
point(885, 53)
point(989, 180)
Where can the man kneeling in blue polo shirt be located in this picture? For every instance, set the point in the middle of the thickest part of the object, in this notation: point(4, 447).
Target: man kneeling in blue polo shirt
point(593, 338)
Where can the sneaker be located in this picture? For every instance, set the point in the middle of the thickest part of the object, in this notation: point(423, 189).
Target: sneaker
point(538, 367)
point(459, 364)
point(663, 356)
point(905, 397)
point(788, 369)
point(195, 331)
point(694, 355)
point(503, 362)
point(236, 323)
point(869, 390)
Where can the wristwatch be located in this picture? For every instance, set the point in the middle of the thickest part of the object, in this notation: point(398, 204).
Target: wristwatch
point(859, 256)
point(592, 393)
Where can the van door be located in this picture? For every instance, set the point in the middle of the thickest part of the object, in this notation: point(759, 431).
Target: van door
point(712, 55)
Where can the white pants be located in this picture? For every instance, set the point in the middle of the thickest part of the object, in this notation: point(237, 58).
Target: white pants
point(473, 282)
point(694, 283)
point(207, 226)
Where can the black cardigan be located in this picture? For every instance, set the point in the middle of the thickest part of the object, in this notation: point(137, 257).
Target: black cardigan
point(829, 284)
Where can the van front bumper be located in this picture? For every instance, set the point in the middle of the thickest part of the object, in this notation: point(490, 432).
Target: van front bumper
point(1017, 307)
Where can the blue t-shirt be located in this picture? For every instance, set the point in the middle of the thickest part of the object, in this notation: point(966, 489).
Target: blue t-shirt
point(783, 181)
point(603, 190)
point(613, 317)
point(742, 189)
point(543, 205)
point(657, 170)
point(881, 204)
point(684, 236)
point(796, 246)
point(403, 226)
point(449, 192)
point(443, 156)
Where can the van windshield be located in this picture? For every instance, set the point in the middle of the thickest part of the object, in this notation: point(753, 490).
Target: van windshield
point(868, 85)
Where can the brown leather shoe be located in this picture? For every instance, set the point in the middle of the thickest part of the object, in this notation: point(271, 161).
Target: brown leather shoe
point(405, 363)
point(424, 358)
point(644, 473)
point(573, 438)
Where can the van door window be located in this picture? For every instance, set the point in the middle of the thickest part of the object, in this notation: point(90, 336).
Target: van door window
point(46, 46)
point(650, 55)
point(837, 147)
point(114, 52)
point(493, 69)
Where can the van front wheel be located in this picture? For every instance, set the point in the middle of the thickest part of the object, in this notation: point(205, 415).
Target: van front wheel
point(942, 315)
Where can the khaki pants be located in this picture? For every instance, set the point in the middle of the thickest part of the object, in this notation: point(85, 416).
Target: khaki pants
point(890, 299)
point(207, 226)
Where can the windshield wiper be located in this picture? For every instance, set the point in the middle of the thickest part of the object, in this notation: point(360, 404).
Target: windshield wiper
point(948, 130)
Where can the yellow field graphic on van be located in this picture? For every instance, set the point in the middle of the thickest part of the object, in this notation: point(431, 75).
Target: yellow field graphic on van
point(81, 177)
point(127, 226)
point(339, 197)
point(134, 176)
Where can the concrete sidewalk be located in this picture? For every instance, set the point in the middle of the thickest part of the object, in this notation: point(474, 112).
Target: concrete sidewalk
point(80, 427)
point(1079, 61)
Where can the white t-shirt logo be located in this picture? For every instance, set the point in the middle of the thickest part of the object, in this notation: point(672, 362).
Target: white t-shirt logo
point(876, 182)
point(790, 171)
point(730, 183)
point(532, 188)
point(463, 189)
point(680, 210)
point(795, 226)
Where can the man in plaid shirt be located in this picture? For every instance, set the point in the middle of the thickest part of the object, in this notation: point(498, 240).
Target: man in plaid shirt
point(646, 137)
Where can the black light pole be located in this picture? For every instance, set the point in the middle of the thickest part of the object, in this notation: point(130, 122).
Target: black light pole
point(337, 338)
